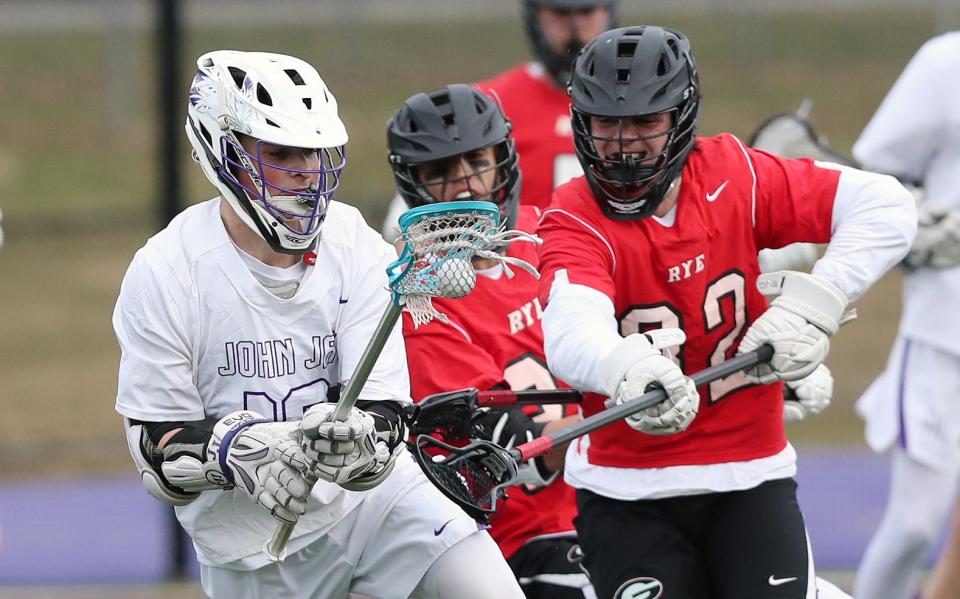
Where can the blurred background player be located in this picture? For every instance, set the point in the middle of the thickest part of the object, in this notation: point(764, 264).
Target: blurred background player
point(455, 144)
point(533, 95)
point(237, 320)
point(914, 405)
point(694, 497)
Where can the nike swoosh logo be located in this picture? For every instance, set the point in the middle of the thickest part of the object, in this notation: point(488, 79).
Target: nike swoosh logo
point(775, 582)
point(437, 531)
point(712, 197)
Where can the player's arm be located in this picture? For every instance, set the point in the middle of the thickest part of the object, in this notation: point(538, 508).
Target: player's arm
point(869, 221)
point(177, 450)
point(903, 138)
point(179, 460)
point(581, 340)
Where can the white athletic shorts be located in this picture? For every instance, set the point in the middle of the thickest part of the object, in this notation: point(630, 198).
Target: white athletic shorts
point(381, 549)
point(915, 402)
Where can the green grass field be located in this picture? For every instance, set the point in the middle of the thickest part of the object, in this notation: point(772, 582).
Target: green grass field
point(79, 189)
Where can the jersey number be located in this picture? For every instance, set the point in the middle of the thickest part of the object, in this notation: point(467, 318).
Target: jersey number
point(529, 372)
point(724, 309)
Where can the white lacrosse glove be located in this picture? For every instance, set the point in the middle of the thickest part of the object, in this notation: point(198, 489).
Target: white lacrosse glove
point(798, 324)
point(937, 244)
point(636, 366)
point(807, 396)
point(263, 459)
point(347, 451)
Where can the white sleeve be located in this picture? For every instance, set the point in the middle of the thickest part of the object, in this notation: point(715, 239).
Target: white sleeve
point(874, 223)
point(391, 222)
point(369, 297)
point(151, 321)
point(579, 332)
point(908, 127)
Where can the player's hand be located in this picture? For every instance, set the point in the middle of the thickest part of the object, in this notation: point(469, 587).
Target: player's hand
point(343, 451)
point(636, 366)
point(509, 428)
point(808, 396)
point(798, 324)
point(937, 244)
point(263, 459)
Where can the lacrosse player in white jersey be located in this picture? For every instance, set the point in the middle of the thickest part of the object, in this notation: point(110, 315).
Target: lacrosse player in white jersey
point(236, 323)
point(914, 406)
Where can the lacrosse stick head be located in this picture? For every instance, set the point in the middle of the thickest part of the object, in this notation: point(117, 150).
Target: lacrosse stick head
point(447, 415)
point(475, 476)
point(439, 241)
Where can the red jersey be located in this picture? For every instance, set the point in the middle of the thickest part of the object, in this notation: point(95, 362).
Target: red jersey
point(493, 337)
point(699, 275)
point(540, 112)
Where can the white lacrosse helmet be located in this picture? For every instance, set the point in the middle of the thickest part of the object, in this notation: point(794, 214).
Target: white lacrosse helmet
point(275, 99)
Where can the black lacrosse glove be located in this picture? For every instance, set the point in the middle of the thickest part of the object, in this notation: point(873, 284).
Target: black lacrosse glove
point(509, 428)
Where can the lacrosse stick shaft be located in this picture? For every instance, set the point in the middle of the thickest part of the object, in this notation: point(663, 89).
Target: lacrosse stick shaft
point(542, 445)
point(498, 398)
point(348, 398)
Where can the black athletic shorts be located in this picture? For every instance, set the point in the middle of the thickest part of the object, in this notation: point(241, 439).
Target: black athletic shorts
point(739, 545)
point(549, 568)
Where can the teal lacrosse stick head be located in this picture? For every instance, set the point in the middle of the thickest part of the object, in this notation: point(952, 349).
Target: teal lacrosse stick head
point(439, 241)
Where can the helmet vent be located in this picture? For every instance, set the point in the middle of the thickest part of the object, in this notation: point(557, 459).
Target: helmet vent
point(238, 76)
point(663, 65)
point(308, 102)
point(295, 76)
point(672, 44)
point(264, 96)
point(271, 123)
point(206, 135)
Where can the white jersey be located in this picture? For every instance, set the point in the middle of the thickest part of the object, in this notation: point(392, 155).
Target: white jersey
point(915, 135)
point(200, 338)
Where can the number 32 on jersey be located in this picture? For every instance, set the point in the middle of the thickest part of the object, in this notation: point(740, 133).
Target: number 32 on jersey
point(724, 312)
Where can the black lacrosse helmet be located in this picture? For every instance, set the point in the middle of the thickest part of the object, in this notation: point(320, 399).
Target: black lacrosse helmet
point(449, 122)
point(558, 65)
point(630, 72)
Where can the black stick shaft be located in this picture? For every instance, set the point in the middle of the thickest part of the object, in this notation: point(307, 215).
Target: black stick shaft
point(649, 399)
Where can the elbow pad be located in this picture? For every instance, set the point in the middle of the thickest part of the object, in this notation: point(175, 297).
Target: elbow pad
point(177, 473)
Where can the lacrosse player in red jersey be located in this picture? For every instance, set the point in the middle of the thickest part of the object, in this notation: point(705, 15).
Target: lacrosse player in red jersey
point(913, 407)
point(656, 243)
point(533, 95)
point(236, 322)
point(455, 144)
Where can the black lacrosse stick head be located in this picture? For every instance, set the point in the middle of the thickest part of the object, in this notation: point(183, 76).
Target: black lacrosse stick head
point(475, 476)
point(447, 415)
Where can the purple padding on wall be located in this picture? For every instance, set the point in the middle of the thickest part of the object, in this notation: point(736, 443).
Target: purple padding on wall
point(842, 494)
point(109, 531)
point(96, 530)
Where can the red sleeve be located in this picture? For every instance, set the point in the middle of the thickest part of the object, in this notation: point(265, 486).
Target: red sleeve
point(440, 358)
point(579, 249)
point(794, 200)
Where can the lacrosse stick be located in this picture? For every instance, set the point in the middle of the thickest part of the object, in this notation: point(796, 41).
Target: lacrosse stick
point(439, 242)
point(449, 414)
point(476, 476)
point(791, 135)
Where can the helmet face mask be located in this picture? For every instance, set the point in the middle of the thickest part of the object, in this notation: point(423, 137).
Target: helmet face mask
point(556, 62)
point(265, 131)
point(451, 144)
point(483, 174)
point(631, 77)
point(300, 209)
